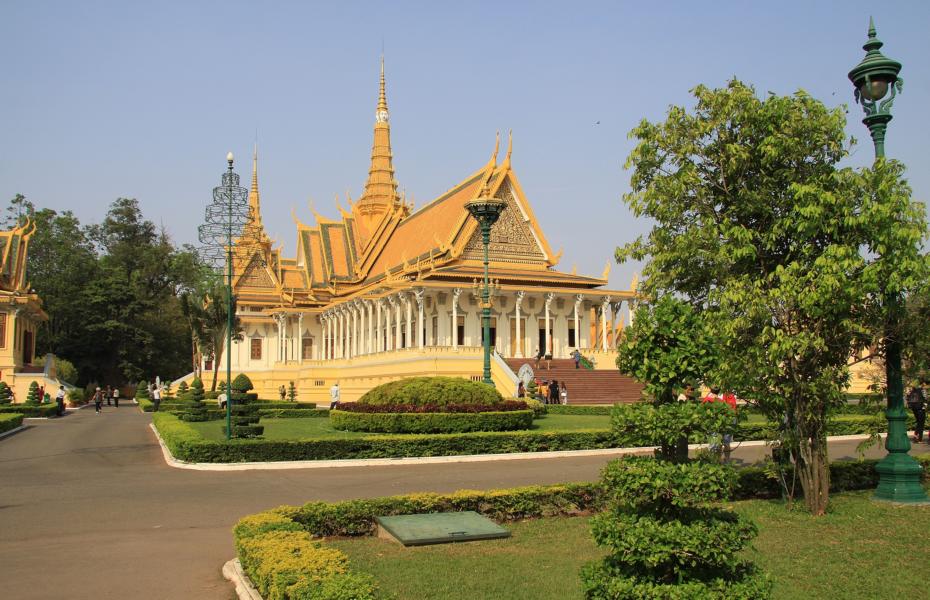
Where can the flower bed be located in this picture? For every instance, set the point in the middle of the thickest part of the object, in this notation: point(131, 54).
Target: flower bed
point(432, 422)
point(10, 421)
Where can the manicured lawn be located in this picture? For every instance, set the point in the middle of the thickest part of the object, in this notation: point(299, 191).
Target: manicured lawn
point(319, 428)
point(860, 550)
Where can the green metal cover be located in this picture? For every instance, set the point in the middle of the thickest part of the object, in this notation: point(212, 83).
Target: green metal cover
point(439, 528)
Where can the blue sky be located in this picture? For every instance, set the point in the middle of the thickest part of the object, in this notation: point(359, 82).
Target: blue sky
point(109, 99)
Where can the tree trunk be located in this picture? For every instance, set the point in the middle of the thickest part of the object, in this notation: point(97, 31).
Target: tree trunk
point(813, 467)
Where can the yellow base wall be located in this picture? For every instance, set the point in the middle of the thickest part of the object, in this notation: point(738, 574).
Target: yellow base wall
point(356, 376)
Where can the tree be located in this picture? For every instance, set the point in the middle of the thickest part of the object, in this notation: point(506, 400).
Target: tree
point(206, 313)
point(6, 394)
point(292, 392)
point(755, 222)
point(32, 397)
point(667, 347)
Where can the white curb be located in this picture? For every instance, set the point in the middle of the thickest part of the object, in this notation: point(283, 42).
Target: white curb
point(12, 431)
point(232, 571)
point(431, 460)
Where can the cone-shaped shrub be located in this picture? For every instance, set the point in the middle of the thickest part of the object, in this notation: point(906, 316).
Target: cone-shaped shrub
point(192, 401)
point(245, 415)
point(6, 394)
point(33, 396)
point(666, 534)
point(142, 391)
point(183, 389)
point(292, 392)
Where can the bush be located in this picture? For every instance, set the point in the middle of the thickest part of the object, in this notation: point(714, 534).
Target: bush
point(75, 396)
point(193, 407)
point(568, 409)
point(538, 408)
point(431, 422)
point(10, 421)
point(6, 394)
point(64, 369)
point(291, 392)
point(665, 536)
point(31, 411)
point(142, 391)
point(33, 396)
point(183, 388)
point(244, 411)
point(507, 405)
point(671, 426)
point(432, 390)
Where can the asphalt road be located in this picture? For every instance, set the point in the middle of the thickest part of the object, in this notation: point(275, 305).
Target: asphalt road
point(89, 509)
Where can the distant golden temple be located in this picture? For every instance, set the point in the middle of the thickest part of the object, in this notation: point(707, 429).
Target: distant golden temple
point(388, 291)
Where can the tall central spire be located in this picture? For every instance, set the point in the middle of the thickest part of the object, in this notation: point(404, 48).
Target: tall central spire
point(255, 229)
point(380, 195)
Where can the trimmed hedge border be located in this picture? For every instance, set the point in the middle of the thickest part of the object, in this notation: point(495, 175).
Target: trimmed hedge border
point(31, 411)
point(10, 421)
point(172, 404)
point(186, 444)
point(264, 541)
point(568, 409)
point(431, 422)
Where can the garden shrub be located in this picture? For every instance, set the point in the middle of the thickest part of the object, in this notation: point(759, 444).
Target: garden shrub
point(33, 396)
point(142, 391)
point(6, 394)
point(10, 421)
point(31, 411)
point(539, 409)
point(568, 409)
point(244, 411)
point(671, 426)
point(291, 392)
point(183, 388)
point(507, 405)
point(431, 422)
point(665, 536)
point(432, 390)
point(192, 401)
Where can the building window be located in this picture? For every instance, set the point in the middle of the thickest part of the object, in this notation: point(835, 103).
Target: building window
point(435, 336)
point(307, 350)
point(493, 331)
point(2, 330)
point(460, 329)
point(571, 336)
point(256, 349)
point(208, 364)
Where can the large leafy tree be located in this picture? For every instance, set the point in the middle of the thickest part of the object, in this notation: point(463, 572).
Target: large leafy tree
point(755, 221)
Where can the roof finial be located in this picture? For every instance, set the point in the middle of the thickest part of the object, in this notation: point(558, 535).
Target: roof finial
point(381, 115)
point(509, 150)
point(872, 32)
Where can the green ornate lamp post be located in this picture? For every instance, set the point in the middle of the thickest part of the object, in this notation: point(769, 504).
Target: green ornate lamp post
point(899, 474)
point(486, 211)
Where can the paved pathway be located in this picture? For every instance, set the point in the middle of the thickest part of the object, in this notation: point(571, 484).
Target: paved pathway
point(89, 509)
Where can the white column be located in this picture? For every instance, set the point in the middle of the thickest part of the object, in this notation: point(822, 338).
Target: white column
point(329, 336)
point(371, 328)
point(341, 334)
point(519, 340)
point(360, 309)
point(280, 323)
point(388, 323)
point(549, 348)
point(409, 306)
point(455, 317)
point(354, 339)
point(397, 323)
point(578, 300)
point(300, 338)
point(605, 312)
point(418, 294)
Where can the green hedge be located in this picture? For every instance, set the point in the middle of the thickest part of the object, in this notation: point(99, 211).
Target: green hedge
point(431, 422)
point(266, 542)
point(49, 409)
point(188, 445)
point(568, 409)
point(432, 390)
point(10, 421)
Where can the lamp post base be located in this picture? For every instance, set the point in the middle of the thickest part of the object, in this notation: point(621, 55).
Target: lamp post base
point(899, 480)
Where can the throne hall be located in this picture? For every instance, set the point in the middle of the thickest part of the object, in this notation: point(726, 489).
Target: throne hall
point(390, 291)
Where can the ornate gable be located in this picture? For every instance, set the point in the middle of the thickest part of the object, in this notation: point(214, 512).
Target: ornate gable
point(256, 275)
point(512, 239)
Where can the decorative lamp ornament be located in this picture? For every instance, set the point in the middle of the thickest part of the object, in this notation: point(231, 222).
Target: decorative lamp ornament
point(872, 79)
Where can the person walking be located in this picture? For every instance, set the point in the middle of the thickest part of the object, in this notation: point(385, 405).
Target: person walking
point(521, 390)
point(334, 396)
point(563, 392)
point(282, 392)
point(576, 356)
point(917, 402)
point(554, 392)
point(60, 401)
point(109, 395)
point(156, 398)
point(116, 396)
point(543, 390)
point(539, 355)
point(98, 400)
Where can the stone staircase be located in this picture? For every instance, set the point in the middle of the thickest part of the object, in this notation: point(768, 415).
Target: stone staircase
point(584, 386)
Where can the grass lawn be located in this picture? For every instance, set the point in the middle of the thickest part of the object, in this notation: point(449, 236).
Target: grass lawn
point(841, 555)
point(319, 428)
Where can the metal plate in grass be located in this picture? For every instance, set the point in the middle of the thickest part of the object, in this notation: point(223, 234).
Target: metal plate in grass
point(439, 528)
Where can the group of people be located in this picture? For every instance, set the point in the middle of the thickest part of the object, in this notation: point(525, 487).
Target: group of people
point(547, 392)
point(110, 395)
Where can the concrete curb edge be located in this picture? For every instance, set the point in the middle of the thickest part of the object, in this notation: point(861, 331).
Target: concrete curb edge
point(12, 431)
point(232, 571)
point(426, 460)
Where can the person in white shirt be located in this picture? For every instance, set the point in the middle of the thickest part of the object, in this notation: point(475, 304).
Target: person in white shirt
point(334, 396)
point(60, 400)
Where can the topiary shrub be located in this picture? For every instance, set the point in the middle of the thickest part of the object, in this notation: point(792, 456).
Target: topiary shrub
point(33, 396)
point(244, 411)
point(666, 538)
point(291, 392)
point(142, 391)
point(183, 388)
point(6, 394)
point(193, 407)
point(439, 391)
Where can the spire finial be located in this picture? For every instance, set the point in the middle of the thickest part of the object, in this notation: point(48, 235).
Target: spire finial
point(509, 149)
point(381, 115)
point(872, 32)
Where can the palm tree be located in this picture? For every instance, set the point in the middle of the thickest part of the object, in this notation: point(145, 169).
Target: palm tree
point(207, 315)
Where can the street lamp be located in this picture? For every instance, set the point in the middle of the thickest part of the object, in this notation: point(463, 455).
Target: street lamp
point(225, 219)
point(899, 474)
point(486, 211)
